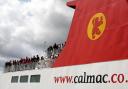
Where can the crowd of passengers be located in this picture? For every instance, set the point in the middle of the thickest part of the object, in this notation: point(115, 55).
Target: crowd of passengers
point(35, 62)
point(53, 51)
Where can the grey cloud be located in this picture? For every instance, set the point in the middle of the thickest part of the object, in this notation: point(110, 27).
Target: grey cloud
point(15, 50)
point(2, 63)
point(58, 21)
point(2, 66)
point(25, 32)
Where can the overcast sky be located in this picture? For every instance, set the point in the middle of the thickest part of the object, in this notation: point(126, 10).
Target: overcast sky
point(27, 27)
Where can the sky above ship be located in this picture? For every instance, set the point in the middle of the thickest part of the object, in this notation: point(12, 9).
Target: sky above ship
point(28, 27)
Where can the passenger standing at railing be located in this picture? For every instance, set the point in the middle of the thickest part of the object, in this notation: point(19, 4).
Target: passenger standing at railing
point(26, 63)
point(17, 65)
point(49, 51)
point(55, 47)
point(13, 65)
point(34, 62)
point(7, 66)
point(41, 63)
point(21, 64)
point(37, 58)
point(11, 69)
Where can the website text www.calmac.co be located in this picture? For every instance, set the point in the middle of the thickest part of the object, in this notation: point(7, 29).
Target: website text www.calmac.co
point(92, 78)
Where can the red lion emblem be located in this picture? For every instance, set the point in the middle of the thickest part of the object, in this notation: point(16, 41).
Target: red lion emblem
point(98, 21)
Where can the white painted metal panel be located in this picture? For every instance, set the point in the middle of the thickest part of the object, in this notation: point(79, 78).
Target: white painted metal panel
point(48, 74)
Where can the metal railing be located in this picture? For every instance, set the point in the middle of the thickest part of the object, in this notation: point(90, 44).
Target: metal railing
point(71, 0)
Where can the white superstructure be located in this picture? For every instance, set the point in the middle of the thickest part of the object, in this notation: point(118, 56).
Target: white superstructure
point(45, 78)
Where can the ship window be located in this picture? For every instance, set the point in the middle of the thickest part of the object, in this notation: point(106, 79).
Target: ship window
point(35, 78)
point(24, 79)
point(14, 79)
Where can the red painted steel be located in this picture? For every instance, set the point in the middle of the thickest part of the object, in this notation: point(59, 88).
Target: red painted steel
point(111, 45)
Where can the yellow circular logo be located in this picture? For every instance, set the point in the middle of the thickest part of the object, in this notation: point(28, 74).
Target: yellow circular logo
point(96, 26)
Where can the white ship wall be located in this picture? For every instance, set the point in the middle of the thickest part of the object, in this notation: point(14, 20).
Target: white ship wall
point(48, 74)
